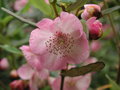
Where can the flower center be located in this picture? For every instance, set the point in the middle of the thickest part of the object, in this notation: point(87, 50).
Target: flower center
point(60, 44)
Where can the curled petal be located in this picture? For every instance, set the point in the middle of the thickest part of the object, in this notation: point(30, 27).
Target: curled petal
point(32, 59)
point(44, 24)
point(25, 72)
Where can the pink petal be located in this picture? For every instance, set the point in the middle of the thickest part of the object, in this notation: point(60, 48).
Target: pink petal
point(53, 62)
point(90, 21)
point(45, 23)
point(72, 83)
point(85, 15)
point(37, 41)
point(44, 73)
point(84, 82)
point(90, 60)
point(80, 50)
point(47, 1)
point(25, 72)
point(32, 59)
point(93, 5)
point(32, 83)
point(68, 23)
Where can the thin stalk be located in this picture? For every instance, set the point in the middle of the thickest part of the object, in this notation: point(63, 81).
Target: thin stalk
point(62, 82)
point(18, 17)
point(54, 7)
point(116, 41)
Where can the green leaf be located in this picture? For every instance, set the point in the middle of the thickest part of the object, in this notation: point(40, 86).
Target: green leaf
point(10, 49)
point(110, 10)
point(42, 6)
point(77, 4)
point(83, 70)
point(3, 39)
point(113, 83)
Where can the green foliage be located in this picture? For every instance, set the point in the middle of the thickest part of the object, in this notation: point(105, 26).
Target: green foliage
point(114, 85)
point(110, 10)
point(42, 6)
point(11, 49)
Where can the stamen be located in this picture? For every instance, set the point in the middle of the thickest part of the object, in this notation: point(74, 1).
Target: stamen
point(60, 44)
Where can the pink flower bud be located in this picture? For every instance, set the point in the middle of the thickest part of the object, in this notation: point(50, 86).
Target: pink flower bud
point(4, 64)
point(14, 74)
point(17, 85)
point(96, 46)
point(91, 10)
point(19, 4)
point(95, 28)
point(47, 1)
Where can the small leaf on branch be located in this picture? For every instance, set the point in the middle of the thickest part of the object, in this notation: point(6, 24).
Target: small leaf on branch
point(18, 17)
point(11, 49)
point(94, 67)
point(110, 10)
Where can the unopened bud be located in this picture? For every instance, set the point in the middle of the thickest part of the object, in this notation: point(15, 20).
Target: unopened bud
point(14, 74)
point(17, 85)
point(95, 28)
point(91, 10)
point(4, 64)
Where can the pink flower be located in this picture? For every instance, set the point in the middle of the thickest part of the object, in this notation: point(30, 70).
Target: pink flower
point(4, 64)
point(19, 4)
point(91, 10)
point(90, 60)
point(95, 46)
point(59, 42)
point(95, 28)
point(47, 1)
point(14, 73)
point(71, 83)
point(33, 70)
point(17, 85)
point(36, 79)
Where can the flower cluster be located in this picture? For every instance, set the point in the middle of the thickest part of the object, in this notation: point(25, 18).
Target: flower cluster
point(91, 13)
point(56, 44)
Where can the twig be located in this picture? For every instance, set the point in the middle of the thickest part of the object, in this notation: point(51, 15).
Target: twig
point(54, 7)
point(62, 82)
point(18, 17)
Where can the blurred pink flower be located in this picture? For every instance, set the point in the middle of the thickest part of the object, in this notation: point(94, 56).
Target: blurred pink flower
point(95, 28)
point(91, 10)
point(59, 42)
point(19, 4)
point(33, 70)
point(17, 85)
point(4, 64)
point(71, 83)
point(90, 60)
point(95, 46)
point(47, 1)
point(14, 73)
